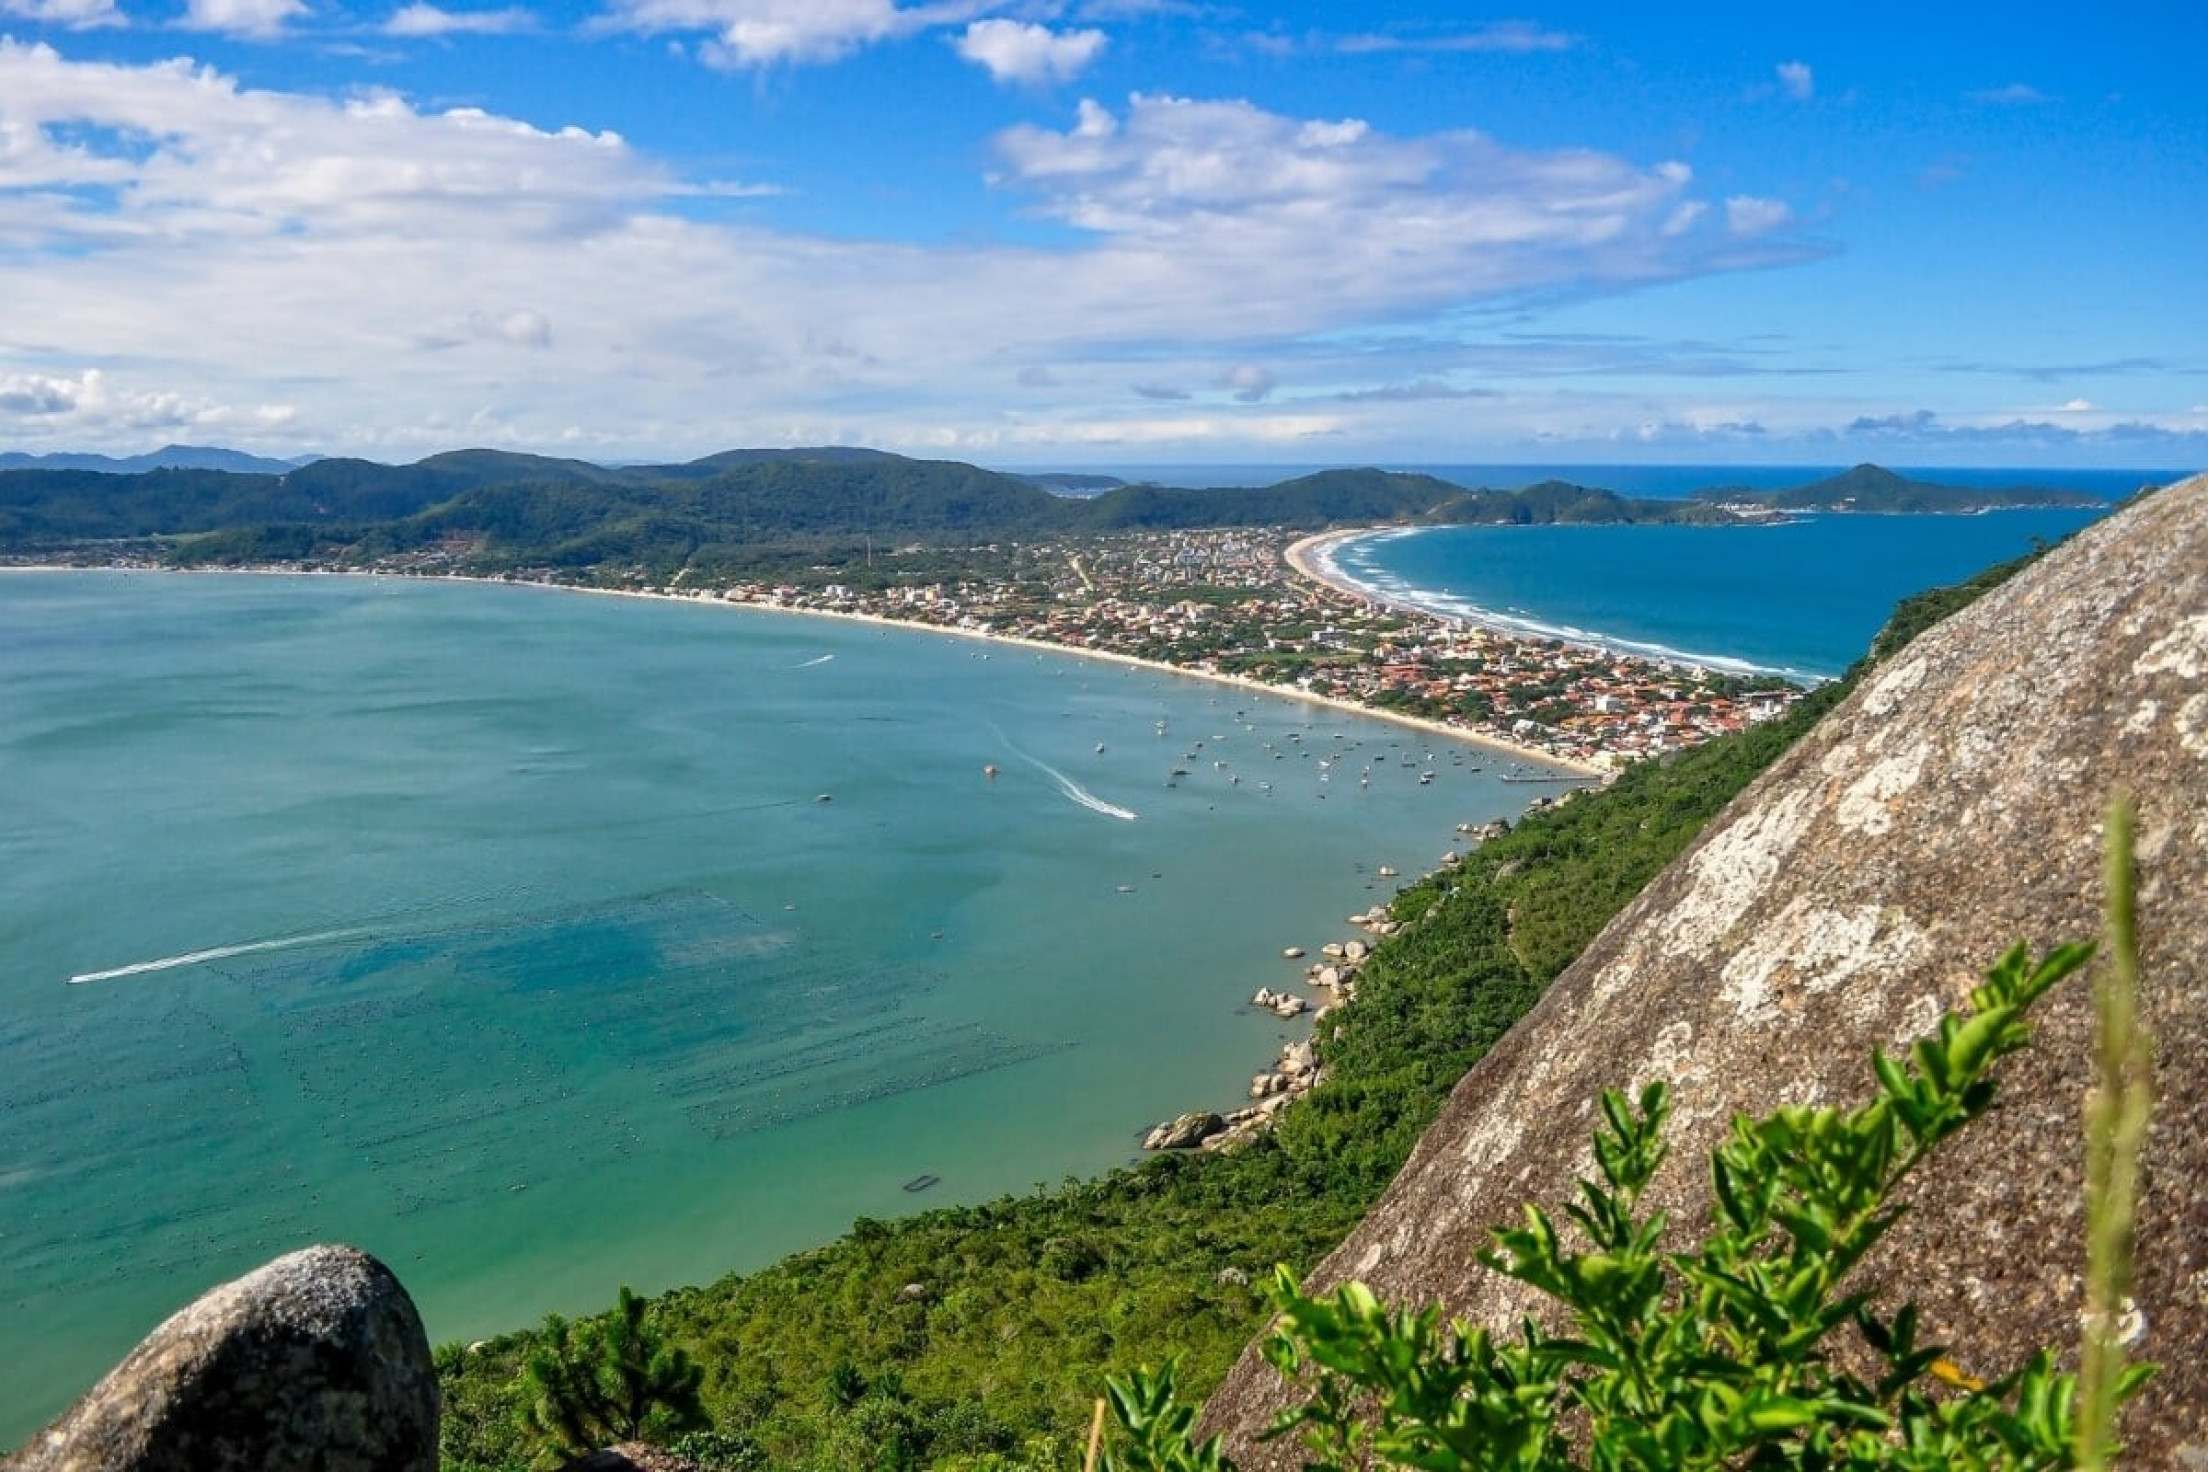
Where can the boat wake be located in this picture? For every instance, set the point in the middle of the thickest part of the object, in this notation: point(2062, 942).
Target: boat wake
point(1072, 791)
point(218, 953)
point(808, 664)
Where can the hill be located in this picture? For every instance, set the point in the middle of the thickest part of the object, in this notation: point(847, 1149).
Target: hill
point(495, 510)
point(1875, 488)
point(1947, 809)
point(168, 457)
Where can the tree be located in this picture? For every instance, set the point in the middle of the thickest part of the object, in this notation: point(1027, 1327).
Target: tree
point(608, 1380)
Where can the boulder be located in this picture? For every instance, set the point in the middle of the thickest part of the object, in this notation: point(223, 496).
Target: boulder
point(1264, 1085)
point(1292, 953)
point(1184, 1132)
point(1355, 950)
point(1948, 808)
point(1297, 1059)
point(317, 1360)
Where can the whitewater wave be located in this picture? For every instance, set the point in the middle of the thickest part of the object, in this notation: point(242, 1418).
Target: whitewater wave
point(1071, 790)
point(808, 664)
point(217, 953)
point(1390, 589)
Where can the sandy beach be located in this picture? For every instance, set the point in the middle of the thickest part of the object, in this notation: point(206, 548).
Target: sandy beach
point(1498, 745)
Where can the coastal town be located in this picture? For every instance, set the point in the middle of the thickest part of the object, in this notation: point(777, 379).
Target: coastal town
point(1252, 605)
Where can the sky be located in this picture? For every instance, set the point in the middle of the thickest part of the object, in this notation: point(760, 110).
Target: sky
point(1087, 232)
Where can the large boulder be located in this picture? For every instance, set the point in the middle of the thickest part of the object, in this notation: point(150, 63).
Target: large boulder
point(1948, 808)
point(316, 1361)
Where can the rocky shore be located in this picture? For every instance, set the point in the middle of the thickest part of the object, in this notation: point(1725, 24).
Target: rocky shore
point(1297, 1071)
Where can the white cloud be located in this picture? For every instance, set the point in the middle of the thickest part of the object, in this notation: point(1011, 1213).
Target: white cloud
point(90, 401)
point(77, 15)
point(755, 33)
point(2015, 94)
point(1683, 216)
point(1512, 37)
point(255, 19)
point(1251, 383)
point(420, 19)
point(407, 279)
point(2077, 406)
point(1017, 51)
point(1746, 215)
point(1795, 76)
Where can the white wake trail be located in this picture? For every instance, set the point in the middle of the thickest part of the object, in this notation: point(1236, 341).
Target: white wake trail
point(808, 664)
point(219, 953)
point(1071, 789)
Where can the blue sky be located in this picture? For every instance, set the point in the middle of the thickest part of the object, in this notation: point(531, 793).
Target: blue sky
point(1091, 231)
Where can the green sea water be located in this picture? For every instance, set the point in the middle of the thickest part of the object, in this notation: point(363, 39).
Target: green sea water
point(503, 933)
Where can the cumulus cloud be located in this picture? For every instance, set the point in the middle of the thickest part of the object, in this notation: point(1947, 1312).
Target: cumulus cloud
point(756, 33)
point(259, 20)
point(360, 257)
point(1797, 80)
point(77, 15)
point(90, 401)
point(1747, 215)
point(1017, 51)
point(422, 20)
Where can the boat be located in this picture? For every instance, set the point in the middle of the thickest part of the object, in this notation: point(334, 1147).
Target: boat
point(923, 1182)
point(990, 771)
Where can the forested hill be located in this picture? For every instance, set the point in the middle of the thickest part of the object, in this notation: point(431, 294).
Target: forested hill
point(500, 509)
point(1875, 488)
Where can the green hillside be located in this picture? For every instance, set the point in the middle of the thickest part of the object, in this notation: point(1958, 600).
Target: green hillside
point(500, 510)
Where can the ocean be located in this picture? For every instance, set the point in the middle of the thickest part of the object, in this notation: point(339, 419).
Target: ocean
point(1801, 598)
point(1663, 482)
point(541, 943)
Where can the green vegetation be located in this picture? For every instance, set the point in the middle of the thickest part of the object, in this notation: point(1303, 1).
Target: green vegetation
point(1875, 488)
point(751, 510)
point(610, 1380)
point(1732, 1354)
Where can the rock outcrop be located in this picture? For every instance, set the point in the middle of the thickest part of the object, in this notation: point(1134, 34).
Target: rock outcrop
point(1950, 807)
point(316, 1361)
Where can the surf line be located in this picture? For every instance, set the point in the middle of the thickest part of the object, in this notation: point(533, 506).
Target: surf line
point(219, 953)
point(1067, 787)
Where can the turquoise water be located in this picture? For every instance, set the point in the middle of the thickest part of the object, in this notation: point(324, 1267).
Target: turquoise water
point(1803, 598)
point(564, 978)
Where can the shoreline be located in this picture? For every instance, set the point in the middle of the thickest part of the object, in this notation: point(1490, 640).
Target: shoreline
point(1312, 558)
point(1498, 745)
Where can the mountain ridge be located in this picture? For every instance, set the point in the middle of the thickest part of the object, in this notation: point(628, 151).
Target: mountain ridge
point(503, 508)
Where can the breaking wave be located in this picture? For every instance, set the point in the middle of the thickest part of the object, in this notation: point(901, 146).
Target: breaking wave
point(1391, 589)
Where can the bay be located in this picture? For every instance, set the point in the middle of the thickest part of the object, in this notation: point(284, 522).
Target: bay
point(1802, 598)
point(504, 933)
